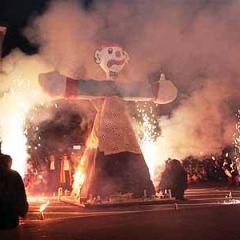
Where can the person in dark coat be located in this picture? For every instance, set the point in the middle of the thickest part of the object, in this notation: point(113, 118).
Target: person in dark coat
point(179, 179)
point(53, 182)
point(13, 200)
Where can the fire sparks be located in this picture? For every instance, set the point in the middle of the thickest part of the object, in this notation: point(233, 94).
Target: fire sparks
point(146, 124)
point(148, 131)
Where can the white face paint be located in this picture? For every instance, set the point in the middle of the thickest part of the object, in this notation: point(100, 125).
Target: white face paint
point(111, 59)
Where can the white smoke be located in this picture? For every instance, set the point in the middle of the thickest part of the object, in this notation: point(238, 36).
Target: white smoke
point(196, 44)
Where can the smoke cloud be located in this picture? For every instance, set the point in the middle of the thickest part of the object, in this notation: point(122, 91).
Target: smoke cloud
point(196, 43)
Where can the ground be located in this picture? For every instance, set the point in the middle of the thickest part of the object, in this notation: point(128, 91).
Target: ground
point(208, 214)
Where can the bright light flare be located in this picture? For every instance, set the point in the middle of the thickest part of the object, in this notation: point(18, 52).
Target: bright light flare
point(44, 206)
point(14, 108)
point(150, 156)
point(19, 92)
point(79, 179)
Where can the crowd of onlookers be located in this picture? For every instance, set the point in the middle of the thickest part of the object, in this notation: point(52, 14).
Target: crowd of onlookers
point(177, 175)
point(57, 172)
point(211, 168)
point(204, 169)
point(53, 172)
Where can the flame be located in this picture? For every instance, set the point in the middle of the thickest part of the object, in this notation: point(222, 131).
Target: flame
point(43, 206)
point(79, 179)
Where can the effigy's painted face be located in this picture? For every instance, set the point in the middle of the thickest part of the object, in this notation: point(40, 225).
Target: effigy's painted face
point(111, 59)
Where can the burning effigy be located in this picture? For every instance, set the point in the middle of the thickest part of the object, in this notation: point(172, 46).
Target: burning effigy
point(112, 162)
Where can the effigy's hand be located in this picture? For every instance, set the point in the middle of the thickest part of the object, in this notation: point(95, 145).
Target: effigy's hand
point(164, 91)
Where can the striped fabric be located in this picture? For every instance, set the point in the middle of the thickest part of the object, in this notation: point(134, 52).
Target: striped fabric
point(59, 86)
point(89, 88)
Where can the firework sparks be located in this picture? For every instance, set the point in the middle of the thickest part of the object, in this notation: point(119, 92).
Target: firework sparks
point(18, 94)
point(146, 125)
point(147, 130)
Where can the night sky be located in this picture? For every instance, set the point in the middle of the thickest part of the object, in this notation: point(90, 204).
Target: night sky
point(15, 15)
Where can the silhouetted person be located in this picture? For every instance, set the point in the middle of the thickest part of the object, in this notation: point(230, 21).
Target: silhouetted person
point(66, 173)
point(13, 201)
point(179, 179)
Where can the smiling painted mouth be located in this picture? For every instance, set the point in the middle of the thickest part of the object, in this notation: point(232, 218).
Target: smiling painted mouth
point(115, 62)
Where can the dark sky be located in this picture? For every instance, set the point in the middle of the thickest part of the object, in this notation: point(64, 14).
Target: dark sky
point(15, 14)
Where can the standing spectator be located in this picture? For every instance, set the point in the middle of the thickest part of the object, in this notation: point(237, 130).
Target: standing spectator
point(52, 173)
point(13, 201)
point(66, 173)
point(179, 179)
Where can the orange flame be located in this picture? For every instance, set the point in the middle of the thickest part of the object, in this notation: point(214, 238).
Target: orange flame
point(79, 179)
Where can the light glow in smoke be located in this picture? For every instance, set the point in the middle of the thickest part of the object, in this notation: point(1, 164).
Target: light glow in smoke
point(15, 106)
point(44, 206)
point(19, 93)
point(151, 157)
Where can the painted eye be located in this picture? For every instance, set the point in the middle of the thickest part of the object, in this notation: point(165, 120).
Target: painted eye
point(110, 51)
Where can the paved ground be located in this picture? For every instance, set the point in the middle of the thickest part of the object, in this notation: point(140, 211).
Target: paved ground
point(208, 214)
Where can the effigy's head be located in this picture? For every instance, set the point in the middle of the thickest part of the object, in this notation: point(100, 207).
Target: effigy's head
point(111, 57)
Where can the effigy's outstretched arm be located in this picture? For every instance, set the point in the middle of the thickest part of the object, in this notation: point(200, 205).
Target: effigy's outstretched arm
point(60, 86)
